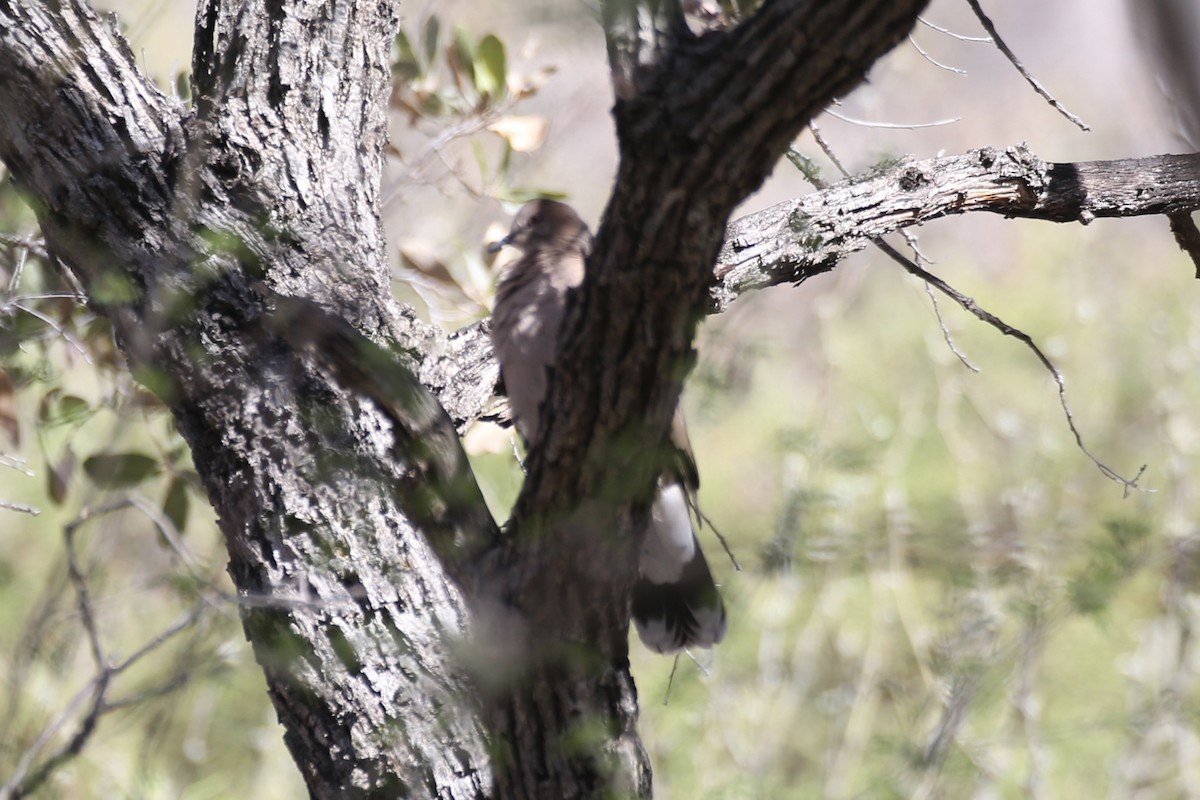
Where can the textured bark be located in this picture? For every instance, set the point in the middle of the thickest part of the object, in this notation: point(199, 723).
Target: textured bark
point(700, 121)
point(238, 251)
point(188, 230)
point(796, 239)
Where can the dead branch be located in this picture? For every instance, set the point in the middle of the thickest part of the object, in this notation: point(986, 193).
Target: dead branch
point(800, 238)
point(990, 27)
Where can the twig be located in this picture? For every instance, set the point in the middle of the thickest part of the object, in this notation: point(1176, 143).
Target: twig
point(703, 669)
point(1187, 236)
point(24, 781)
point(828, 151)
point(167, 530)
point(17, 786)
point(933, 60)
point(892, 125)
point(437, 146)
point(671, 680)
point(909, 265)
point(1012, 58)
point(721, 538)
point(946, 335)
point(959, 36)
point(14, 280)
point(894, 254)
point(60, 329)
point(16, 462)
point(30, 243)
point(1008, 330)
point(86, 614)
point(962, 695)
point(9, 505)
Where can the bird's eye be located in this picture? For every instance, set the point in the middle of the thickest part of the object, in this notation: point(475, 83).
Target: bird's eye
point(536, 219)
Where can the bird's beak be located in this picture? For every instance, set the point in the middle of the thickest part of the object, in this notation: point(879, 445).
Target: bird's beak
point(496, 247)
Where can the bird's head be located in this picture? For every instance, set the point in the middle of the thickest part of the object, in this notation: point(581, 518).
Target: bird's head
point(543, 222)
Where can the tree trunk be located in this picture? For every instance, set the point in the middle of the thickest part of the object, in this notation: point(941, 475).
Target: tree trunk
point(237, 249)
point(185, 228)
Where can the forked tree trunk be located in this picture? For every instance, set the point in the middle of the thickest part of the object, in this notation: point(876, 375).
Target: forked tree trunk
point(236, 247)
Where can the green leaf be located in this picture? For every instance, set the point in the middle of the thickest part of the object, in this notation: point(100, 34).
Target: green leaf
point(491, 67)
point(57, 409)
point(120, 470)
point(405, 65)
point(461, 58)
point(175, 504)
point(58, 476)
point(429, 38)
point(73, 409)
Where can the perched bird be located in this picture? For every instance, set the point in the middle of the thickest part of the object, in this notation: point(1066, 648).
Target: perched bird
point(676, 603)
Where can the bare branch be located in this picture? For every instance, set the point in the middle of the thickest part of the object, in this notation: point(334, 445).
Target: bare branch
point(796, 239)
point(910, 126)
point(990, 27)
point(93, 696)
point(933, 60)
point(959, 36)
point(9, 505)
point(949, 339)
point(1008, 330)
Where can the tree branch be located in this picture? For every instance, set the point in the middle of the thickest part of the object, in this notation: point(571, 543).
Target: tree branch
point(799, 238)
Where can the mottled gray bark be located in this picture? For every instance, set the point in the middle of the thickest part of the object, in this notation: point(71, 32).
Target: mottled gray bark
point(191, 230)
point(237, 248)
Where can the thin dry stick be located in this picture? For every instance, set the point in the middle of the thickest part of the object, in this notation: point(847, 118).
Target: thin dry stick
point(166, 528)
point(17, 786)
point(1008, 330)
point(86, 614)
point(828, 151)
point(9, 505)
point(16, 462)
point(63, 332)
point(97, 688)
point(721, 538)
point(959, 36)
point(23, 782)
point(18, 268)
point(703, 668)
point(894, 254)
point(946, 335)
point(892, 125)
point(671, 680)
point(962, 695)
point(1012, 58)
point(920, 258)
point(31, 243)
point(970, 305)
point(933, 60)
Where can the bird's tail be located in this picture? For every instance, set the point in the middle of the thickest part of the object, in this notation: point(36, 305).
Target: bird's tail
point(676, 603)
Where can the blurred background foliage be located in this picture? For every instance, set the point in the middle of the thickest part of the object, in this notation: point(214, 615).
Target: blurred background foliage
point(940, 595)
